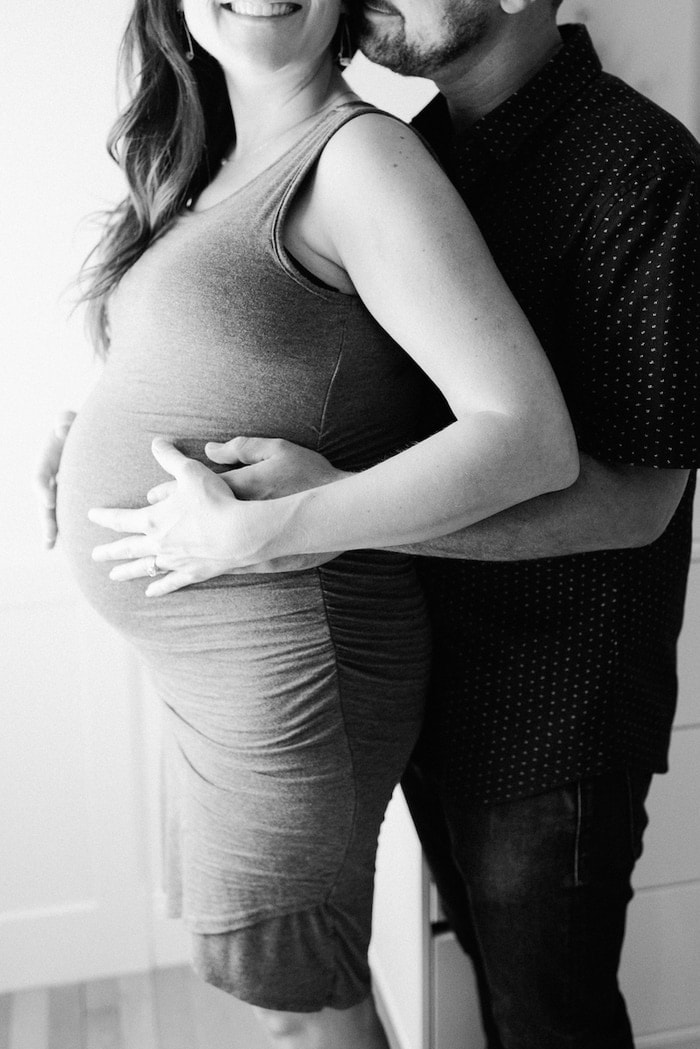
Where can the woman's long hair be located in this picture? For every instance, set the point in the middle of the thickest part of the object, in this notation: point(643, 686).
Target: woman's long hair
point(168, 141)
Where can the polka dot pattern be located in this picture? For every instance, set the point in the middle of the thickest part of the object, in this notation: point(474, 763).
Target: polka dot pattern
point(589, 197)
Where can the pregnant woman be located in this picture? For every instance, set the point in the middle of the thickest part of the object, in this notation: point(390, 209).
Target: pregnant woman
point(288, 262)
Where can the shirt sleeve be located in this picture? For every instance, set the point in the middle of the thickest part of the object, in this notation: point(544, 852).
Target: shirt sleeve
point(635, 332)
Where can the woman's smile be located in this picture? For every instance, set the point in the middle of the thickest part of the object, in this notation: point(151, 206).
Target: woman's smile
point(268, 35)
point(258, 9)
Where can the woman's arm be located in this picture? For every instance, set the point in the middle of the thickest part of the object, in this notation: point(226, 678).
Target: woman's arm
point(381, 209)
point(610, 506)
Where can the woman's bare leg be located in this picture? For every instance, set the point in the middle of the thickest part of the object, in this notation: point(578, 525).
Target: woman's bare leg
point(355, 1028)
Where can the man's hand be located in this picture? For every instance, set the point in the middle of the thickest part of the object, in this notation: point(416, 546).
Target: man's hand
point(269, 468)
point(46, 473)
point(266, 468)
point(193, 533)
point(194, 529)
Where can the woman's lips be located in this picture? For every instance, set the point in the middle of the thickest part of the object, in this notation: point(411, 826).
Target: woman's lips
point(260, 10)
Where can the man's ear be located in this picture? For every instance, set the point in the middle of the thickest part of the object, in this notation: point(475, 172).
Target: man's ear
point(515, 7)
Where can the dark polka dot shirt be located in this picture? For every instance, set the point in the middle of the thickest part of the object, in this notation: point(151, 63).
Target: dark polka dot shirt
point(589, 197)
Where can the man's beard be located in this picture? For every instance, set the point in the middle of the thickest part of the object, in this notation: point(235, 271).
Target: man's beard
point(461, 30)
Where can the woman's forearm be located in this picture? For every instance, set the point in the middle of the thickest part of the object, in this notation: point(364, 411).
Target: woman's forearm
point(472, 469)
point(198, 529)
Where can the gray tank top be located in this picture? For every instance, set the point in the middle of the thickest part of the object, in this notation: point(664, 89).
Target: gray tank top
point(269, 350)
point(216, 331)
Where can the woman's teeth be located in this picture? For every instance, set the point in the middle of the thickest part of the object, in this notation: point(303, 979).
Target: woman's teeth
point(260, 10)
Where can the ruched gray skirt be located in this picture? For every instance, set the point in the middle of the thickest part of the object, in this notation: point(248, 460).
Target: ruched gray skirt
point(292, 705)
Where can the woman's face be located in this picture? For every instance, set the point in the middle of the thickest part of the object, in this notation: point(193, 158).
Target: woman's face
point(268, 33)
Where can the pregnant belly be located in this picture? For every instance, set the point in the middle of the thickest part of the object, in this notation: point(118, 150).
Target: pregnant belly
point(107, 462)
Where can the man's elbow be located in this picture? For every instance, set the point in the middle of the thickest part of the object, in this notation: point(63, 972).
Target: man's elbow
point(645, 527)
point(558, 459)
point(643, 502)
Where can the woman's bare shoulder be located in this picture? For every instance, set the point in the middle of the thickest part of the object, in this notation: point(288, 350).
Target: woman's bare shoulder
point(377, 178)
point(374, 138)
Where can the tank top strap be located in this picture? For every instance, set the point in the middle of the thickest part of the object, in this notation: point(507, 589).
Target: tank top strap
point(299, 163)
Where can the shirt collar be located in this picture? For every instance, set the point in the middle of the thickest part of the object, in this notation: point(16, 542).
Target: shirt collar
point(498, 135)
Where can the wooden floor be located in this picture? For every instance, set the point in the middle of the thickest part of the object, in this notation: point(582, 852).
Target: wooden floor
point(166, 1009)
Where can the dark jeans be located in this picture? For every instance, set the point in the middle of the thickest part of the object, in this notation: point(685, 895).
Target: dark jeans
point(536, 890)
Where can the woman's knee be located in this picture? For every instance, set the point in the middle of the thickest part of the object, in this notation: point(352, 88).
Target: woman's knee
point(290, 1029)
point(355, 1028)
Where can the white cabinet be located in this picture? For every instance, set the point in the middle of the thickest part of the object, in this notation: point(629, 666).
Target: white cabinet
point(455, 1021)
point(399, 952)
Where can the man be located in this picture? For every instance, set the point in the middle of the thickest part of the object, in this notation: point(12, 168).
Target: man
point(555, 622)
point(554, 678)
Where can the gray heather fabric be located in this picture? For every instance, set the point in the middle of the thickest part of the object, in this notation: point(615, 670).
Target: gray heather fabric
point(292, 702)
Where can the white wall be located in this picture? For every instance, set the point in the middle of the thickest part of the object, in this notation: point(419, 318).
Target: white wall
point(58, 90)
point(652, 44)
point(67, 771)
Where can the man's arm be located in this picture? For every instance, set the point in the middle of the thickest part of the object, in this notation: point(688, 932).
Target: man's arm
point(609, 507)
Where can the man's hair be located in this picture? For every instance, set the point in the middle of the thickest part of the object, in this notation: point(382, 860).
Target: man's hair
point(557, 3)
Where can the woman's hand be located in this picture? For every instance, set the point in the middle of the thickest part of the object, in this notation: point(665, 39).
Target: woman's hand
point(46, 473)
point(192, 534)
point(194, 529)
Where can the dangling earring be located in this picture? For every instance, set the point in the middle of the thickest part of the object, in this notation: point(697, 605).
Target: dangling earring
point(345, 48)
point(189, 50)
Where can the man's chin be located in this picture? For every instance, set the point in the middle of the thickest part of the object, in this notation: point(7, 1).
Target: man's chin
point(391, 52)
point(380, 45)
point(382, 38)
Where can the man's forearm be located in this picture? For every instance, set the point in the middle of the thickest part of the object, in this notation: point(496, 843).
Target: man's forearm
point(609, 507)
